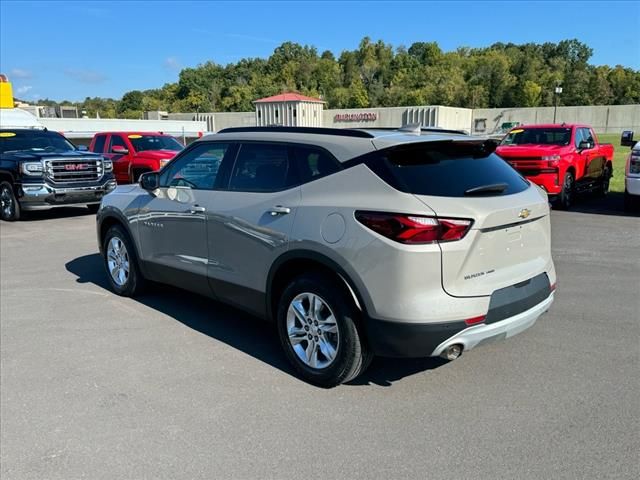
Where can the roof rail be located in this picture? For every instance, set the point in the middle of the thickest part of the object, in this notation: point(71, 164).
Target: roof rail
point(422, 129)
point(342, 132)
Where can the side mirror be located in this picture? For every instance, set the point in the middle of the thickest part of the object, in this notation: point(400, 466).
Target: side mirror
point(150, 181)
point(626, 140)
point(83, 148)
point(585, 145)
point(119, 150)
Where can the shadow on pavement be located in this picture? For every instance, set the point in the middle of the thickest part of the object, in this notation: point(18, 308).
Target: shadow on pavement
point(237, 329)
point(54, 213)
point(612, 204)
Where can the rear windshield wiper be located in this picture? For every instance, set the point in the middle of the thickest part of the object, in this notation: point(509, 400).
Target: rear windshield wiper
point(482, 189)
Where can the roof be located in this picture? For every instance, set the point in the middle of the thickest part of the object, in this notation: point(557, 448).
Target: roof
point(131, 132)
point(344, 144)
point(551, 125)
point(288, 97)
point(16, 118)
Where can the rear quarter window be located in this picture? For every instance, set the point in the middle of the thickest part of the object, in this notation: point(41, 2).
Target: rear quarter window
point(449, 169)
point(98, 145)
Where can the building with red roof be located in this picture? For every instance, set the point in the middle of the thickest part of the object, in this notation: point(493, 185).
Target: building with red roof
point(289, 109)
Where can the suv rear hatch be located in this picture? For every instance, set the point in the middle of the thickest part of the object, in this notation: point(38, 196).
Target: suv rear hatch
point(509, 240)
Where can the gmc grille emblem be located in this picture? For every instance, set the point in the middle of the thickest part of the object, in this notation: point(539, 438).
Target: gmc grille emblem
point(76, 166)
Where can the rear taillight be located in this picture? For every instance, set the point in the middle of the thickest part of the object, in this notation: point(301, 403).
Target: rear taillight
point(415, 229)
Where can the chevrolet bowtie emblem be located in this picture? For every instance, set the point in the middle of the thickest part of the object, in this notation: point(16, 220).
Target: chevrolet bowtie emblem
point(524, 213)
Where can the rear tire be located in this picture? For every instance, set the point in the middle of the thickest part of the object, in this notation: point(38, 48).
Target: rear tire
point(93, 207)
point(9, 205)
point(315, 318)
point(567, 195)
point(121, 263)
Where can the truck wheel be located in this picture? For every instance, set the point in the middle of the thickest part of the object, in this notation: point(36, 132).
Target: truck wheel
point(9, 205)
point(121, 263)
point(603, 188)
point(317, 329)
point(630, 202)
point(565, 199)
point(93, 207)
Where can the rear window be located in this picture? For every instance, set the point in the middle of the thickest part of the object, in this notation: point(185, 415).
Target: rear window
point(448, 170)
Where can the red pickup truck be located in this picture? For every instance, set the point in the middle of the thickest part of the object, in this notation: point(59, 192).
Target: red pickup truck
point(562, 159)
point(134, 153)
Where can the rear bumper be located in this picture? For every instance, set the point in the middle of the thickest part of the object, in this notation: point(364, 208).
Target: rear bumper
point(479, 334)
point(37, 196)
point(511, 310)
point(632, 185)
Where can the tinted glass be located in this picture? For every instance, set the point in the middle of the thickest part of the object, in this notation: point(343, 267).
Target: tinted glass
point(154, 142)
point(33, 140)
point(261, 168)
point(446, 170)
point(538, 136)
point(586, 135)
point(197, 169)
point(98, 145)
point(579, 137)
point(314, 163)
point(116, 141)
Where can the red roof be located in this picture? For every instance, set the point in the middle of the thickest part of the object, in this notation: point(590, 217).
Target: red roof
point(288, 97)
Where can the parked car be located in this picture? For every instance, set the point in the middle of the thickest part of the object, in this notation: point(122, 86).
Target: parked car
point(134, 153)
point(355, 243)
point(562, 159)
point(40, 169)
point(631, 171)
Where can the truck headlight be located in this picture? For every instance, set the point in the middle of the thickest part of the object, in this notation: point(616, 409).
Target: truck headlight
point(163, 163)
point(33, 169)
point(108, 165)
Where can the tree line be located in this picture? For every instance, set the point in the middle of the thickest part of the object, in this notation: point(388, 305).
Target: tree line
point(378, 75)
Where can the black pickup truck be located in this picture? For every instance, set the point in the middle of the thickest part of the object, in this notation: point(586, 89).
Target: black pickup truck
point(41, 169)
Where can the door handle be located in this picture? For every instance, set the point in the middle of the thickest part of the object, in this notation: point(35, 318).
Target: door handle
point(197, 209)
point(279, 210)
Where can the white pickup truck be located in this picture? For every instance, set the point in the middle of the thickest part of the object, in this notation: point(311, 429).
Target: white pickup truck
point(631, 171)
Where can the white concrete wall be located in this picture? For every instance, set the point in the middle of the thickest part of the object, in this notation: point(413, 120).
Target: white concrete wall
point(427, 116)
point(603, 119)
point(87, 127)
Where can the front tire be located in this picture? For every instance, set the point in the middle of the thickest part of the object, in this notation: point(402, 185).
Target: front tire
point(567, 195)
point(317, 326)
point(121, 263)
point(9, 205)
point(605, 181)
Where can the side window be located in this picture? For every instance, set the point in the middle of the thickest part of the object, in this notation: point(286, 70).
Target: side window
point(98, 145)
point(261, 167)
point(586, 134)
point(314, 163)
point(197, 169)
point(116, 141)
point(579, 137)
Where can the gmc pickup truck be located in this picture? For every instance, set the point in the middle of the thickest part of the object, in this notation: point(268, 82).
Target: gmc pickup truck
point(134, 153)
point(562, 159)
point(40, 169)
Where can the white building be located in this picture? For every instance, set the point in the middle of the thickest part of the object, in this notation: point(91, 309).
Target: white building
point(290, 110)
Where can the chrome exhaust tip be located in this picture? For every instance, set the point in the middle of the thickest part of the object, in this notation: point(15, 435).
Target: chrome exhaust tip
point(452, 352)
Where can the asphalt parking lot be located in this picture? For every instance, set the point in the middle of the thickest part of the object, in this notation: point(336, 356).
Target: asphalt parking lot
point(172, 385)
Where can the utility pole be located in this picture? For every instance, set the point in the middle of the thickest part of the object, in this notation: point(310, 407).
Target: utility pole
point(556, 95)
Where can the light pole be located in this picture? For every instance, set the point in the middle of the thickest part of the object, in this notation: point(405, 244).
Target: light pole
point(557, 93)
